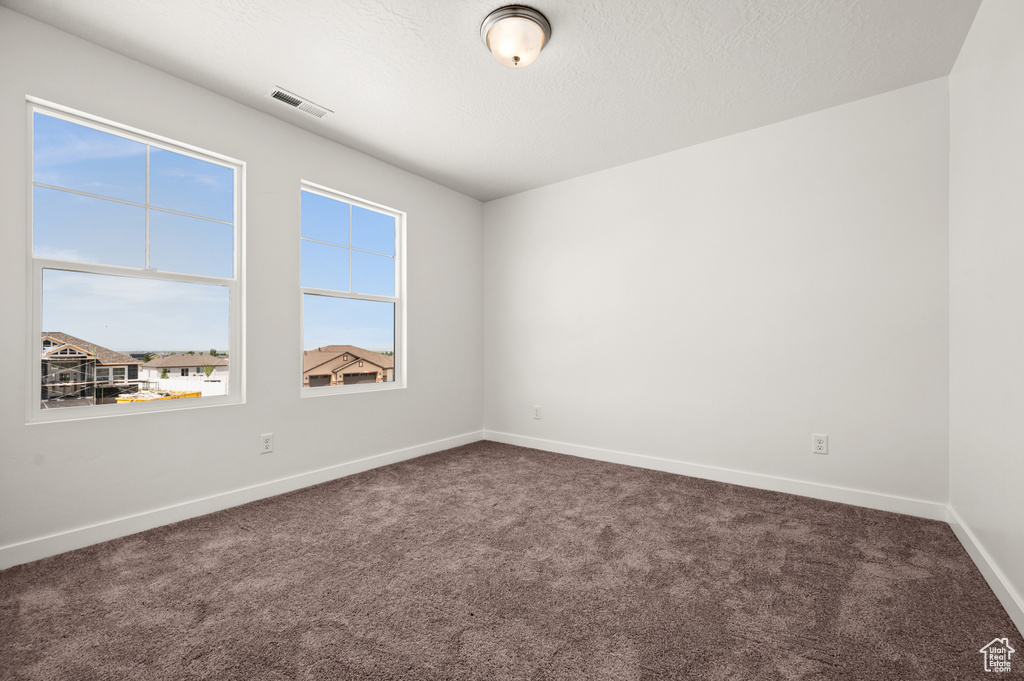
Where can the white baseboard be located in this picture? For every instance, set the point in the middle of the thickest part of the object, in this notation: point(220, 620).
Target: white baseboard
point(34, 549)
point(883, 502)
point(1012, 601)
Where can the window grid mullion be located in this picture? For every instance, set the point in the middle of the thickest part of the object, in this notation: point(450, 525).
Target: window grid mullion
point(147, 206)
point(131, 272)
point(350, 295)
point(350, 247)
point(131, 203)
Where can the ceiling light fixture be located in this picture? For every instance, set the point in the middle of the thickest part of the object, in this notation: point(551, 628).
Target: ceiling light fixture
point(515, 35)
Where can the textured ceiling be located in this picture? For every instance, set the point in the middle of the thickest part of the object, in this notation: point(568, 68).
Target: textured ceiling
point(411, 83)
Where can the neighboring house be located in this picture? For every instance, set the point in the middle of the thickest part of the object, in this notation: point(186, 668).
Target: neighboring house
point(188, 372)
point(345, 365)
point(75, 370)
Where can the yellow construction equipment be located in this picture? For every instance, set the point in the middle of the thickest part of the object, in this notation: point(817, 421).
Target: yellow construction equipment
point(153, 395)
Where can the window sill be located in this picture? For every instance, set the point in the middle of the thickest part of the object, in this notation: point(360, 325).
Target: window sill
point(102, 411)
point(328, 390)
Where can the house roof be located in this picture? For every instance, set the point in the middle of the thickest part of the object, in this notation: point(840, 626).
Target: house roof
point(103, 355)
point(314, 358)
point(179, 360)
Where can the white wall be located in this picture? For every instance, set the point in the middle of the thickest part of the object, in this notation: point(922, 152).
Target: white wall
point(56, 477)
point(718, 304)
point(987, 290)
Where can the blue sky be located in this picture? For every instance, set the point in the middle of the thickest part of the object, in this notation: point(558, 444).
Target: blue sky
point(343, 321)
point(191, 205)
point(346, 247)
point(125, 313)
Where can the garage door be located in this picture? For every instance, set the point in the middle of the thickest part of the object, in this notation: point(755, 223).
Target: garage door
point(360, 378)
point(315, 381)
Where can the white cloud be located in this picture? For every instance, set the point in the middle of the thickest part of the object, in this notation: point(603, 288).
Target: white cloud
point(204, 179)
point(124, 313)
point(69, 147)
point(57, 253)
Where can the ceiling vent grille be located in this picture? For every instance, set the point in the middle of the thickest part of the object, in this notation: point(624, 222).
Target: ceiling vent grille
point(303, 105)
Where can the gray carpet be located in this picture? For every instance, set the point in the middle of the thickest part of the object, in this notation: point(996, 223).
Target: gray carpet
point(496, 562)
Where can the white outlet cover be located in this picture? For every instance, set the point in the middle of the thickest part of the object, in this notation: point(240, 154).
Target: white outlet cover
point(819, 443)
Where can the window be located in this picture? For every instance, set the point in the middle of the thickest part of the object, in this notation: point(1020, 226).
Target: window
point(353, 306)
point(184, 372)
point(136, 244)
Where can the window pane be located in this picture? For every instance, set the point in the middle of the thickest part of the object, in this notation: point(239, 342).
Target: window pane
point(325, 219)
point(86, 229)
point(109, 318)
point(188, 185)
point(344, 321)
point(77, 157)
point(129, 314)
point(373, 231)
point(324, 266)
point(374, 274)
point(178, 243)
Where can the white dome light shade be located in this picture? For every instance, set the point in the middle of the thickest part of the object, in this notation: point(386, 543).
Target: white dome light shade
point(515, 35)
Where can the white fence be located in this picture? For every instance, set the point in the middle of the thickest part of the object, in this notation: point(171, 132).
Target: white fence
point(209, 387)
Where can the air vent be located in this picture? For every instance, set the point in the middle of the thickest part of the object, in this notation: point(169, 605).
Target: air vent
point(303, 105)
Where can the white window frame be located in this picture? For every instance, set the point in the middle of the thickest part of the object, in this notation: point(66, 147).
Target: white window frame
point(236, 324)
point(401, 362)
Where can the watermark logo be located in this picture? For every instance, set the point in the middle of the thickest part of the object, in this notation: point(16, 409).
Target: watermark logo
point(997, 655)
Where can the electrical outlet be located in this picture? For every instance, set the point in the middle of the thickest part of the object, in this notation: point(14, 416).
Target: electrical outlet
point(266, 443)
point(536, 412)
point(819, 443)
